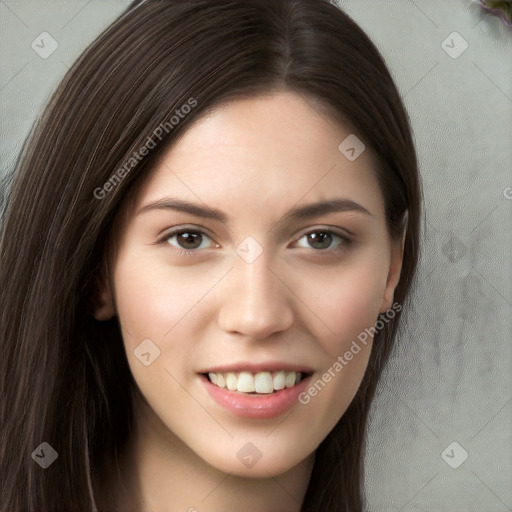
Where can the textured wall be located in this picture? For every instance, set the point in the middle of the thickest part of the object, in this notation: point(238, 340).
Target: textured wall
point(449, 380)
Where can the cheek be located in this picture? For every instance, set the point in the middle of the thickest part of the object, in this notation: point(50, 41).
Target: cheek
point(143, 302)
point(153, 298)
point(156, 303)
point(346, 304)
point(164, 304)
point(349, 310)
point(345, 301)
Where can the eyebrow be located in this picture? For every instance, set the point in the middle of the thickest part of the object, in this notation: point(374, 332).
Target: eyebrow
point(297, 213)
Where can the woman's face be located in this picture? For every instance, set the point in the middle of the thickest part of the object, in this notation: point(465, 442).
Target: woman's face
point(269, 286)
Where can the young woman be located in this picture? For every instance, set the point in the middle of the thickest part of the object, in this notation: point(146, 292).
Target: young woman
point(208, 243)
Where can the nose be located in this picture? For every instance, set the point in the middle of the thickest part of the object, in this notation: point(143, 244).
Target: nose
point(256, 300)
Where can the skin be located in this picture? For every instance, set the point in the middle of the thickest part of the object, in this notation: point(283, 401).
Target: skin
point(254, 159)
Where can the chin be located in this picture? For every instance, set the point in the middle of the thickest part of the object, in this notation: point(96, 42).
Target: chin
point(250, 462)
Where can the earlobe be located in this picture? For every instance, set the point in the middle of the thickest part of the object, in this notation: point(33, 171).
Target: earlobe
point(393, 279)
point(104, 312)
point(102, 302)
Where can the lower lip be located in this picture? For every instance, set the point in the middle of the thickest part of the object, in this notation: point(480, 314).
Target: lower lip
point(256, 406)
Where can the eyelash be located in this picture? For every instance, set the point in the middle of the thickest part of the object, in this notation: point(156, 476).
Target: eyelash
point(345, 241)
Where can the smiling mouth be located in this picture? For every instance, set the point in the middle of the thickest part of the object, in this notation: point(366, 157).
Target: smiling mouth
point(264, 382)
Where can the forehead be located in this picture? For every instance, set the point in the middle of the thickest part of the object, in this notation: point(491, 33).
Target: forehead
point(272, 150)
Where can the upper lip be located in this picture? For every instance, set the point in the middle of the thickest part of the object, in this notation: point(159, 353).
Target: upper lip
point(271, 366)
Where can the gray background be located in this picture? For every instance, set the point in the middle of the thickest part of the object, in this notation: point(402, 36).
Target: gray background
point(449, 379)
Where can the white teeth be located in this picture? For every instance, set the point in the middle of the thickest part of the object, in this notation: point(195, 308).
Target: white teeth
point(289, 379)
point(221, 381)
point(245, 383)
point(231, 381)
point(262, 382)
point(279, 381)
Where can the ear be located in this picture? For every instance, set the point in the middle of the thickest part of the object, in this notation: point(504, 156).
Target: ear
point(102, 301)
point(395, 268)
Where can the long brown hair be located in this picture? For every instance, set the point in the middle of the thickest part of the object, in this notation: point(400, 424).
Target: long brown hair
point(65, 378)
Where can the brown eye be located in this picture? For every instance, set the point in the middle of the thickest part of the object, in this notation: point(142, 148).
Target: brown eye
point(319, 240)
point(187, 239)
point(325, 240)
